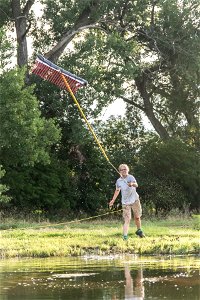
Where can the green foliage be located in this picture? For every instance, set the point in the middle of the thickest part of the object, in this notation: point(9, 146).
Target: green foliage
point(120, 139)
point(5, 49)
point(3, 189)
point(73, 181)
point(26, 137)
point(42, 187)
point(161, 195)
point(62, 188)
point(169, 174)
point(5, 12)
point(61, 16)
point(78, 150)
point(153, 43)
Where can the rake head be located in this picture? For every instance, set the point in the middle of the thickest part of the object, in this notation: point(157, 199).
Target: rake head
point(51, 72)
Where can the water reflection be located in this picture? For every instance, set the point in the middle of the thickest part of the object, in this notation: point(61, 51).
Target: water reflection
point(134, 289)
point(93, 278)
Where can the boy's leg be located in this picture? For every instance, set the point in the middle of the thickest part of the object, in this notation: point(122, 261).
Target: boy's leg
point(127, 218)
point(137, 210)
point(137, 222)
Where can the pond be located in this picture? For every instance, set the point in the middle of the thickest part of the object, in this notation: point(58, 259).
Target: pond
point(100, 277)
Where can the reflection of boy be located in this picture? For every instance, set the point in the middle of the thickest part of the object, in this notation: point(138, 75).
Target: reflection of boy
point(134, 291)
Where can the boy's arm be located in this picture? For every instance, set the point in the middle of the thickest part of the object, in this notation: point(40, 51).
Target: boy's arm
point(116, 193)
point(133, 184)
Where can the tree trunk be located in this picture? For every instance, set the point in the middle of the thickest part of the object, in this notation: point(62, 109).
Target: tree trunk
point(148, 107)
point(58, 49)
point(21, 16)
point(84, 21)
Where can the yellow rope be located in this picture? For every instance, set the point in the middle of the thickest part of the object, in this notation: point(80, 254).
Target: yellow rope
point(64, 223)
point(88, 124)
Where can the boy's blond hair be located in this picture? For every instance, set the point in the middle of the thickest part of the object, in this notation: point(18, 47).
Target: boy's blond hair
point(123, 166)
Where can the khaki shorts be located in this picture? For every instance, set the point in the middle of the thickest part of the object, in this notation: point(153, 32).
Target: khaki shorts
point(135, 207)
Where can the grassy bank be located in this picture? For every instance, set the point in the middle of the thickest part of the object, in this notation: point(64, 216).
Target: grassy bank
point(170, 236)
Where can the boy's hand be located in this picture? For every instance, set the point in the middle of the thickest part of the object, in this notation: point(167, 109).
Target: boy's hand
point(132, 184)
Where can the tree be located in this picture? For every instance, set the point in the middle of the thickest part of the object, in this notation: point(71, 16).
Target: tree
point(169, 174)
point(25, 137)
point(88, 171)
point(121, 140)
point(5, 12)
point(3, 189)
point(146, 53)
point(5, 49)
point(21, 12)
point(138, 61)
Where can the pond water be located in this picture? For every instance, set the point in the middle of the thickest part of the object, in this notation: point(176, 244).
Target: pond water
point(100, 277)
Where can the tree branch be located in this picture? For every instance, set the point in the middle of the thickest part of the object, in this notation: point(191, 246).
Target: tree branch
point(83, 22)
point(132, 103)
point(141, 82)
point(57, 50)
point(27, 7)
point(122, 13)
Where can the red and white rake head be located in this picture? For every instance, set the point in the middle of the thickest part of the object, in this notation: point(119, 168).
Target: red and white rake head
point(51, 72)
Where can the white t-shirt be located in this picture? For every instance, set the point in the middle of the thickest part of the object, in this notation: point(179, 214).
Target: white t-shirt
point(129, 194)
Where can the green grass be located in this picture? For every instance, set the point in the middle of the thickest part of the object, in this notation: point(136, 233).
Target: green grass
point(169, 236)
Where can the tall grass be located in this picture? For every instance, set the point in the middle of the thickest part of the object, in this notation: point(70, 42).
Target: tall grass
point(168, 236)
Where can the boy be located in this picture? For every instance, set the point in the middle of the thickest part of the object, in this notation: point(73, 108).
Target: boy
point(130, 200)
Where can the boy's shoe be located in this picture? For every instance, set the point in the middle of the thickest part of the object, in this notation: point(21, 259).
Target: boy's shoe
point(125, 237)
point(140, 233)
